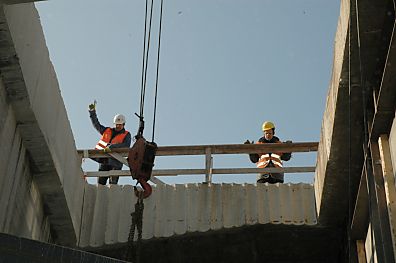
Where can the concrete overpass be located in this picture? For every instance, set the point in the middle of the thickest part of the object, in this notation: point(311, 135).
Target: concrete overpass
point(44, 192)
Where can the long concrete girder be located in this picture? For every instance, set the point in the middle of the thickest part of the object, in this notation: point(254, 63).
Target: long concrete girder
point(33, 92)
point(355, 68)
point(331, 178)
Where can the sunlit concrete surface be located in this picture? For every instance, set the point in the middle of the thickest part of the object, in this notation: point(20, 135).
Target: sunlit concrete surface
point(40, 154)
point(179, 209)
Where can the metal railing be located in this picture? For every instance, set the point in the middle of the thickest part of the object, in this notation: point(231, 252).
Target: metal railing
point(207, 150)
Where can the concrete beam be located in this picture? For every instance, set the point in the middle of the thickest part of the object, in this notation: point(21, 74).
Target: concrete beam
point(358, 66)
point(331, 179)
point(32, 89)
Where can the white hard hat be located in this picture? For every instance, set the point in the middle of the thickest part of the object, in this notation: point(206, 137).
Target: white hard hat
point(119, 119)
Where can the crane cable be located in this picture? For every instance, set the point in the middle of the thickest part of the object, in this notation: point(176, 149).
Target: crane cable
point(145, 58)
point(132, 252)
point(157, 73)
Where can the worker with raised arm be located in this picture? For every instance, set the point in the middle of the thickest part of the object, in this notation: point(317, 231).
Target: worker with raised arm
point(274, 159)
point(116, 137)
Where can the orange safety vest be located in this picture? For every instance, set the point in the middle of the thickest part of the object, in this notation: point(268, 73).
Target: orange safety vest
point(266, 158)
point(106, 139)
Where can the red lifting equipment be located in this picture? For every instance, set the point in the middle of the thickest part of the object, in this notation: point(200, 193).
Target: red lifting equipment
point(141, 160)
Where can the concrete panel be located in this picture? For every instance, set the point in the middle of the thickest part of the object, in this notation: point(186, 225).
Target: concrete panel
point(125, 217)
point(192, 211)
point(180, 213)
point(251, 215)
point(113, 215)
point(86, 218)
point(99, 216)
point(179, 209)
point(217, 210)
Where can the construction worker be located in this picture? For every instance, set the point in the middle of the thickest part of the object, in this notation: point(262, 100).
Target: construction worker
point(269, 159)
point(116, 137)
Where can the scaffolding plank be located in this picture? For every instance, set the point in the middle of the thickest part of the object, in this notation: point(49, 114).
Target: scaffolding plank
point(214, 149)
point(174, 172)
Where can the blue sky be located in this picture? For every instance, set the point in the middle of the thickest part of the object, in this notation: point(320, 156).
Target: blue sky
point(225, 67)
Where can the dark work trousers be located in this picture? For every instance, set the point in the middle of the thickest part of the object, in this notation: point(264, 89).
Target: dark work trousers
point(103, 180)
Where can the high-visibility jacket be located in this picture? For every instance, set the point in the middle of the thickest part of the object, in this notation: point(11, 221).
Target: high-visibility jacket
point(106, 139)
point(267, 158)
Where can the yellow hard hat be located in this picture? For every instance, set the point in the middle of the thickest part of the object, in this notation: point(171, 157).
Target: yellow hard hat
point(268, 126)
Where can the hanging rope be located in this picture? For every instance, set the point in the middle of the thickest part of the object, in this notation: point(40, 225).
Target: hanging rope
point(132, 254)
point(157, 73)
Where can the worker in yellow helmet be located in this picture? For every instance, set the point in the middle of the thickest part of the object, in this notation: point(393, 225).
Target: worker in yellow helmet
point(269, 159)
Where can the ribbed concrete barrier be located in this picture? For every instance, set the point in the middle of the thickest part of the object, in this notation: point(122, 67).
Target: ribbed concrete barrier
point(179, 209)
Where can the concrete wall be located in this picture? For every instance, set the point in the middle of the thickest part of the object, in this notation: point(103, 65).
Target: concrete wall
point(178, 209)
point(31, 92)
point(21, 206)
point(46, 101)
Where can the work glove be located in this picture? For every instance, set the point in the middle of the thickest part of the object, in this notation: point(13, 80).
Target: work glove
point(254, 157)
point(286, 156)
point(107, 150)
point(92, 106)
